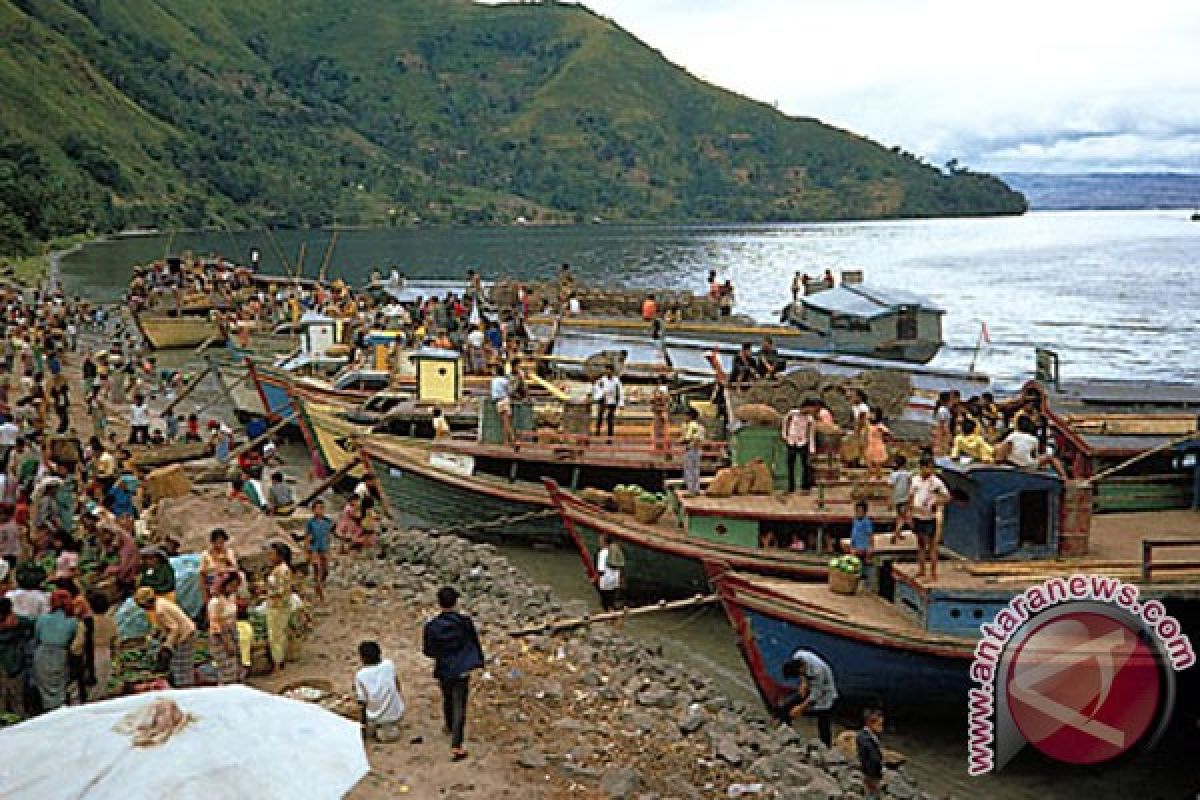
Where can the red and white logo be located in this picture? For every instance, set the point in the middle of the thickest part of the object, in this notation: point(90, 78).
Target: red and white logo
point(1083, 688)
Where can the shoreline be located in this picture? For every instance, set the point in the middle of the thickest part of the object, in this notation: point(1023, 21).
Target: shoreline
point(588, 712)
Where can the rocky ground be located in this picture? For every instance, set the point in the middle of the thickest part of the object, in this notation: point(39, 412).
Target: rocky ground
point(587, 713)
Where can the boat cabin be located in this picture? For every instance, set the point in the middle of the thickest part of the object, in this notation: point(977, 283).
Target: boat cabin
point(1000, 512)
point(869, 320)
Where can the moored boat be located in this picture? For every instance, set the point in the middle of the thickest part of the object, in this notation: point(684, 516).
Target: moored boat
point(169, 333)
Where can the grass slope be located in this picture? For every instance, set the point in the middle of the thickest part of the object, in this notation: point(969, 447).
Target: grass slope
point(160, 112)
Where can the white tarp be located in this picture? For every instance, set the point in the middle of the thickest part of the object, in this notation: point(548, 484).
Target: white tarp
point(243, 744)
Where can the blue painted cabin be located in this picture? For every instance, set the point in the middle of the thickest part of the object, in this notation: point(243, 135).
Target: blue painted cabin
point(1000, 512)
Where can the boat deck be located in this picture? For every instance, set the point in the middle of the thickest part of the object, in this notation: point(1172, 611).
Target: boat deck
point(837, 507)
point(1115, 549)
point(864, 610)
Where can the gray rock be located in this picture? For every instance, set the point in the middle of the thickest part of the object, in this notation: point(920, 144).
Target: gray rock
point(896, 786)
point(692, 721)
point(590, 677)
point(726, 748)
point(532, 759)
point(620, 783)
point(656, 697)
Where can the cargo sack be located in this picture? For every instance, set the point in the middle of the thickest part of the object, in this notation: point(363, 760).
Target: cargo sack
point(724, 483)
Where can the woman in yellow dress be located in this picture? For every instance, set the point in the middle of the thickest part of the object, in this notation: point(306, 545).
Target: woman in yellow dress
point(279, 602)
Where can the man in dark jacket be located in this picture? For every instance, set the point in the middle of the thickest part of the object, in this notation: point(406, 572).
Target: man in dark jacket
point(451, 641)
point(870, 753)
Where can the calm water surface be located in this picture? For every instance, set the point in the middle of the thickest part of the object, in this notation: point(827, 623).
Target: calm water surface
point(1116, 293)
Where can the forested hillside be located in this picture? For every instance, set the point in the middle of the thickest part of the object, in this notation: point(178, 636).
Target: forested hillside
point(309, 112)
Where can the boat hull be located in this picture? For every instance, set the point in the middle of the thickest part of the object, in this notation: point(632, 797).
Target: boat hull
point(868, 666)
point(173, 333)
point(328, 436)
point(660, 565)
point(418, 495)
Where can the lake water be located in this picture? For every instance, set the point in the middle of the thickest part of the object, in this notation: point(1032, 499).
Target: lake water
point(1115, 293)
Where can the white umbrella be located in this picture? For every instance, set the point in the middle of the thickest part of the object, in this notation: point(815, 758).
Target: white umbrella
point(243, 744)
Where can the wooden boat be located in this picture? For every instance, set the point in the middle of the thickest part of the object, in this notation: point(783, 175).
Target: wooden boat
point(330, 437)
point(449, 482)
point(170, 333)
point(877, 652)
point(243, 395)
point(664, 560)
point(423, 487)
point(904, 635)
point(149, 457)
point(1124, 432)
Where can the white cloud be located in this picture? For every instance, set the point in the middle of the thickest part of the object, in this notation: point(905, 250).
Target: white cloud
point(1013, 85)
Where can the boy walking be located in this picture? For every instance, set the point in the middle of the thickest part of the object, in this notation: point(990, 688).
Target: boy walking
point(316, 534)
point(451, 640)
point(693, 440)
point(901, 482)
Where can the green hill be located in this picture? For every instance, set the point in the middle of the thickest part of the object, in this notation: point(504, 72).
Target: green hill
point(189, 112)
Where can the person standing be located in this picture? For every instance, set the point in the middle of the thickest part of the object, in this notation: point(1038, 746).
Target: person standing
point(609, 563)
point(693, 444)
point(612, 397)
point(316, 535)
point(105, 641)
point(139, 420)
point(816, 691)
point(900, 480)
point(451, 640)
point(501, 392)
point(927, 496)
point(53, 633)
point(223, 630)
point(870, 753)
point(15, 632)
point(279, 602)
point(660, 420)
point(799, 431)
point(876, 455)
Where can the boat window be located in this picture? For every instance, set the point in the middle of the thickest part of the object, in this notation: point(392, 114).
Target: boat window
point(845, 322)
point(721, 529)
point(906, 322)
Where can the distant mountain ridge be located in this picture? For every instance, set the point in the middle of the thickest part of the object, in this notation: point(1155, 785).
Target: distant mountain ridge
point(1107, 190)
point(230, 113)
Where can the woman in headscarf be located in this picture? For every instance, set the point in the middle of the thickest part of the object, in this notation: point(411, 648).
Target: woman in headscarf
point(279, 602)
point(178, 648)
point(52, 634)
point(223, 629)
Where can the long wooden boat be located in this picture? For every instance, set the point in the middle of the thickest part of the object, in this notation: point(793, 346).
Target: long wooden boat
point(424, 488)
point(149, 457)
point(330, 437)
point(1124, 431)
point(244, 396)
point(169, 333)
point(663, 560)
point(878, 653)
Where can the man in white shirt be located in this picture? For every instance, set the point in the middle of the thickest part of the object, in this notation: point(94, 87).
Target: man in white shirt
point(610, 396)
point(475, 342)
point(501, 396)
point(139, 420)
point(609, 562)
point(800, 434)
point(9, 431)
point(1020, 449)
point(377, 689)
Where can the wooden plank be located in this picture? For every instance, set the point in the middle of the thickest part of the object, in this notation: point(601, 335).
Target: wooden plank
point(553, 626)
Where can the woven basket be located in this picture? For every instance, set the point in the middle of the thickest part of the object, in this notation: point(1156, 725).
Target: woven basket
point(625, 500)
point(842, 582)
point(648, 513)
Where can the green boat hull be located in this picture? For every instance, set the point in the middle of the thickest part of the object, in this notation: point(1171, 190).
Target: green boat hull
point(651, 574)
point(415, 500)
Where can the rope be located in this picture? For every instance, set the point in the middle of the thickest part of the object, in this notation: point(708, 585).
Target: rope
point(501, 522)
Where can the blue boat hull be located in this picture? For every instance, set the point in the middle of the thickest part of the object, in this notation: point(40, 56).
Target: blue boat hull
point(863, 671)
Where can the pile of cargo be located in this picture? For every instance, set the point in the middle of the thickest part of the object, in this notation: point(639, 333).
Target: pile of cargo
point(887, 390)
point(622, 302)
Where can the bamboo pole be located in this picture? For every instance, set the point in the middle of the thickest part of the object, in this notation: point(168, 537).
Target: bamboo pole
point(1108, 473)
point(313, 493)
point(185, 391)
point(328, 255)
point(553, 626)
point(268, 433)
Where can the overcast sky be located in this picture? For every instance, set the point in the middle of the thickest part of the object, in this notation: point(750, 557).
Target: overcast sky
point(1029, 85)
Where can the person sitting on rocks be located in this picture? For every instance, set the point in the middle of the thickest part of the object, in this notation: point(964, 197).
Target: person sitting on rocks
point(379, 694)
